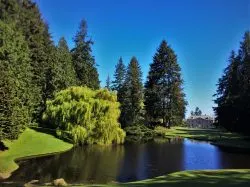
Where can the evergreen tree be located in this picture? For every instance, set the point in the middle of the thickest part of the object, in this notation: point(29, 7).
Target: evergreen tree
point(164, 97)
point(197, 112)
point(244, 103)
point(41, 54)
point(15, 82)
point(232, 97)
point(84, 62)
point(119, 76)
point(64, 73)
point(108, 82)
point(132, 101)
point(227, 93)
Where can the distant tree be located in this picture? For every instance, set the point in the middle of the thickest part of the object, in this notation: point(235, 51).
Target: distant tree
point(119, 76)
point(118, 86)
point(164, 97)
point(108, 83)
point(132, 101)
point(84, 62)
point(197, 112)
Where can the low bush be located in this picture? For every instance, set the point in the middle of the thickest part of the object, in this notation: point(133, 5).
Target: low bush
point(139, 133)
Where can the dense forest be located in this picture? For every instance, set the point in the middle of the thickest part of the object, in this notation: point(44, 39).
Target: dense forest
point(233, 91)
point(53, 86)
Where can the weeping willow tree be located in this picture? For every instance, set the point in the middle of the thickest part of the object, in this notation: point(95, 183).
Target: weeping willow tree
point(88, 117)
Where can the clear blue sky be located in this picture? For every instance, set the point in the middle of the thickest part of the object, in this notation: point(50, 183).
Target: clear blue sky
point(202, 33)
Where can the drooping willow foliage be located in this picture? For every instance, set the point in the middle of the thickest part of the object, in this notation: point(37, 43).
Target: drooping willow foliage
point(88, 117)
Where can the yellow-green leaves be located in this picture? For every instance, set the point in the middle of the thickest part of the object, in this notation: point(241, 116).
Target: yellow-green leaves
point(90, 117)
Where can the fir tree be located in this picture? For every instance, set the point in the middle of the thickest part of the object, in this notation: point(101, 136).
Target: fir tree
point(108, 83)
point(41, 53)
point(232, 97)
point(84, 62)
point(16, 93)
point(197, 112)
point(132, 101)
point(119, 76)
point(164, 97)
point(64, 73)
point(244, 56)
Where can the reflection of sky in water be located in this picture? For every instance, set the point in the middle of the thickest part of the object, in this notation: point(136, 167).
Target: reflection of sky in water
point(198, 155)
point(129, 162)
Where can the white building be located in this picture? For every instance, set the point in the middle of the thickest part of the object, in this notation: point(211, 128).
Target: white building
point(202, 121)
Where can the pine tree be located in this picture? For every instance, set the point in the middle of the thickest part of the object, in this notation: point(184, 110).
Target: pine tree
point(84, 62)
point(108, 83)
point(15, 83)
point(41, 53)
point(119, 76)
point(132, 101)
point(164, 97)
point(64, 73)
point(232, 97)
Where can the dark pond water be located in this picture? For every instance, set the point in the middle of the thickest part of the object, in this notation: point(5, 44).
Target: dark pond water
point(96, 164)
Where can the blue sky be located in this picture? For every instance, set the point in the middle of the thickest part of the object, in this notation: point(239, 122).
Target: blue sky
point(202, 33)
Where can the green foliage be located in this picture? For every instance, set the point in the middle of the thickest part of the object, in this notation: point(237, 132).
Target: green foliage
point(119, 76)
point(197, 112)
point(139, 133)
point(84, 62)
point(132, 93)
point(108, 83)
point(232, 97)
point(15, 83)
point(161, 131)
point(164, 97)
point(63, 70)
point(89, 117)
point(42, 53)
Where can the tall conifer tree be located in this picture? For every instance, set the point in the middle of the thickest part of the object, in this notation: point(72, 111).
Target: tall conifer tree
point(132, 90)
point(164, 97)
point(15, 82)
point(84, 62)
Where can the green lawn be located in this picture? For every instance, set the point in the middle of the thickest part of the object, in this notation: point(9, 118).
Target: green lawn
point(202, 178)
point(30, 143)
point(216, 136)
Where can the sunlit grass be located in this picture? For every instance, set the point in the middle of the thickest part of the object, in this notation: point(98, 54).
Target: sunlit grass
point(30, 143)
point(199, 178)
point(216, 136)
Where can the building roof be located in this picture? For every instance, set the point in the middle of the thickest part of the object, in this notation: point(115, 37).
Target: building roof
point(201, 116)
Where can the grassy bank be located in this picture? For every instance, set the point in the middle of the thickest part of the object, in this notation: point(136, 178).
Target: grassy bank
point(202, 178)
point(30, 143)
point(215, 136)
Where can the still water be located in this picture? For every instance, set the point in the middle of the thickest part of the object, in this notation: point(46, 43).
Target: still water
point(123, 163)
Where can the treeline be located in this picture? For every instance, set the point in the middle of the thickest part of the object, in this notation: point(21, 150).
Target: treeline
point(33, 68)
point(233, 91)
point(161, 101)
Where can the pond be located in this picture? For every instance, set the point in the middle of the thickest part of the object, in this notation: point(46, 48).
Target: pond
point(129, 162)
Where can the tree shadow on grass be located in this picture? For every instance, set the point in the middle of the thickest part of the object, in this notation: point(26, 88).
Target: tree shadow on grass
point(197, 178)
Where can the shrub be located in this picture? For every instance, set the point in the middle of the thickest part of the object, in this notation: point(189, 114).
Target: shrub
point(161, 131)
point(139, 133)
point(88, 117)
